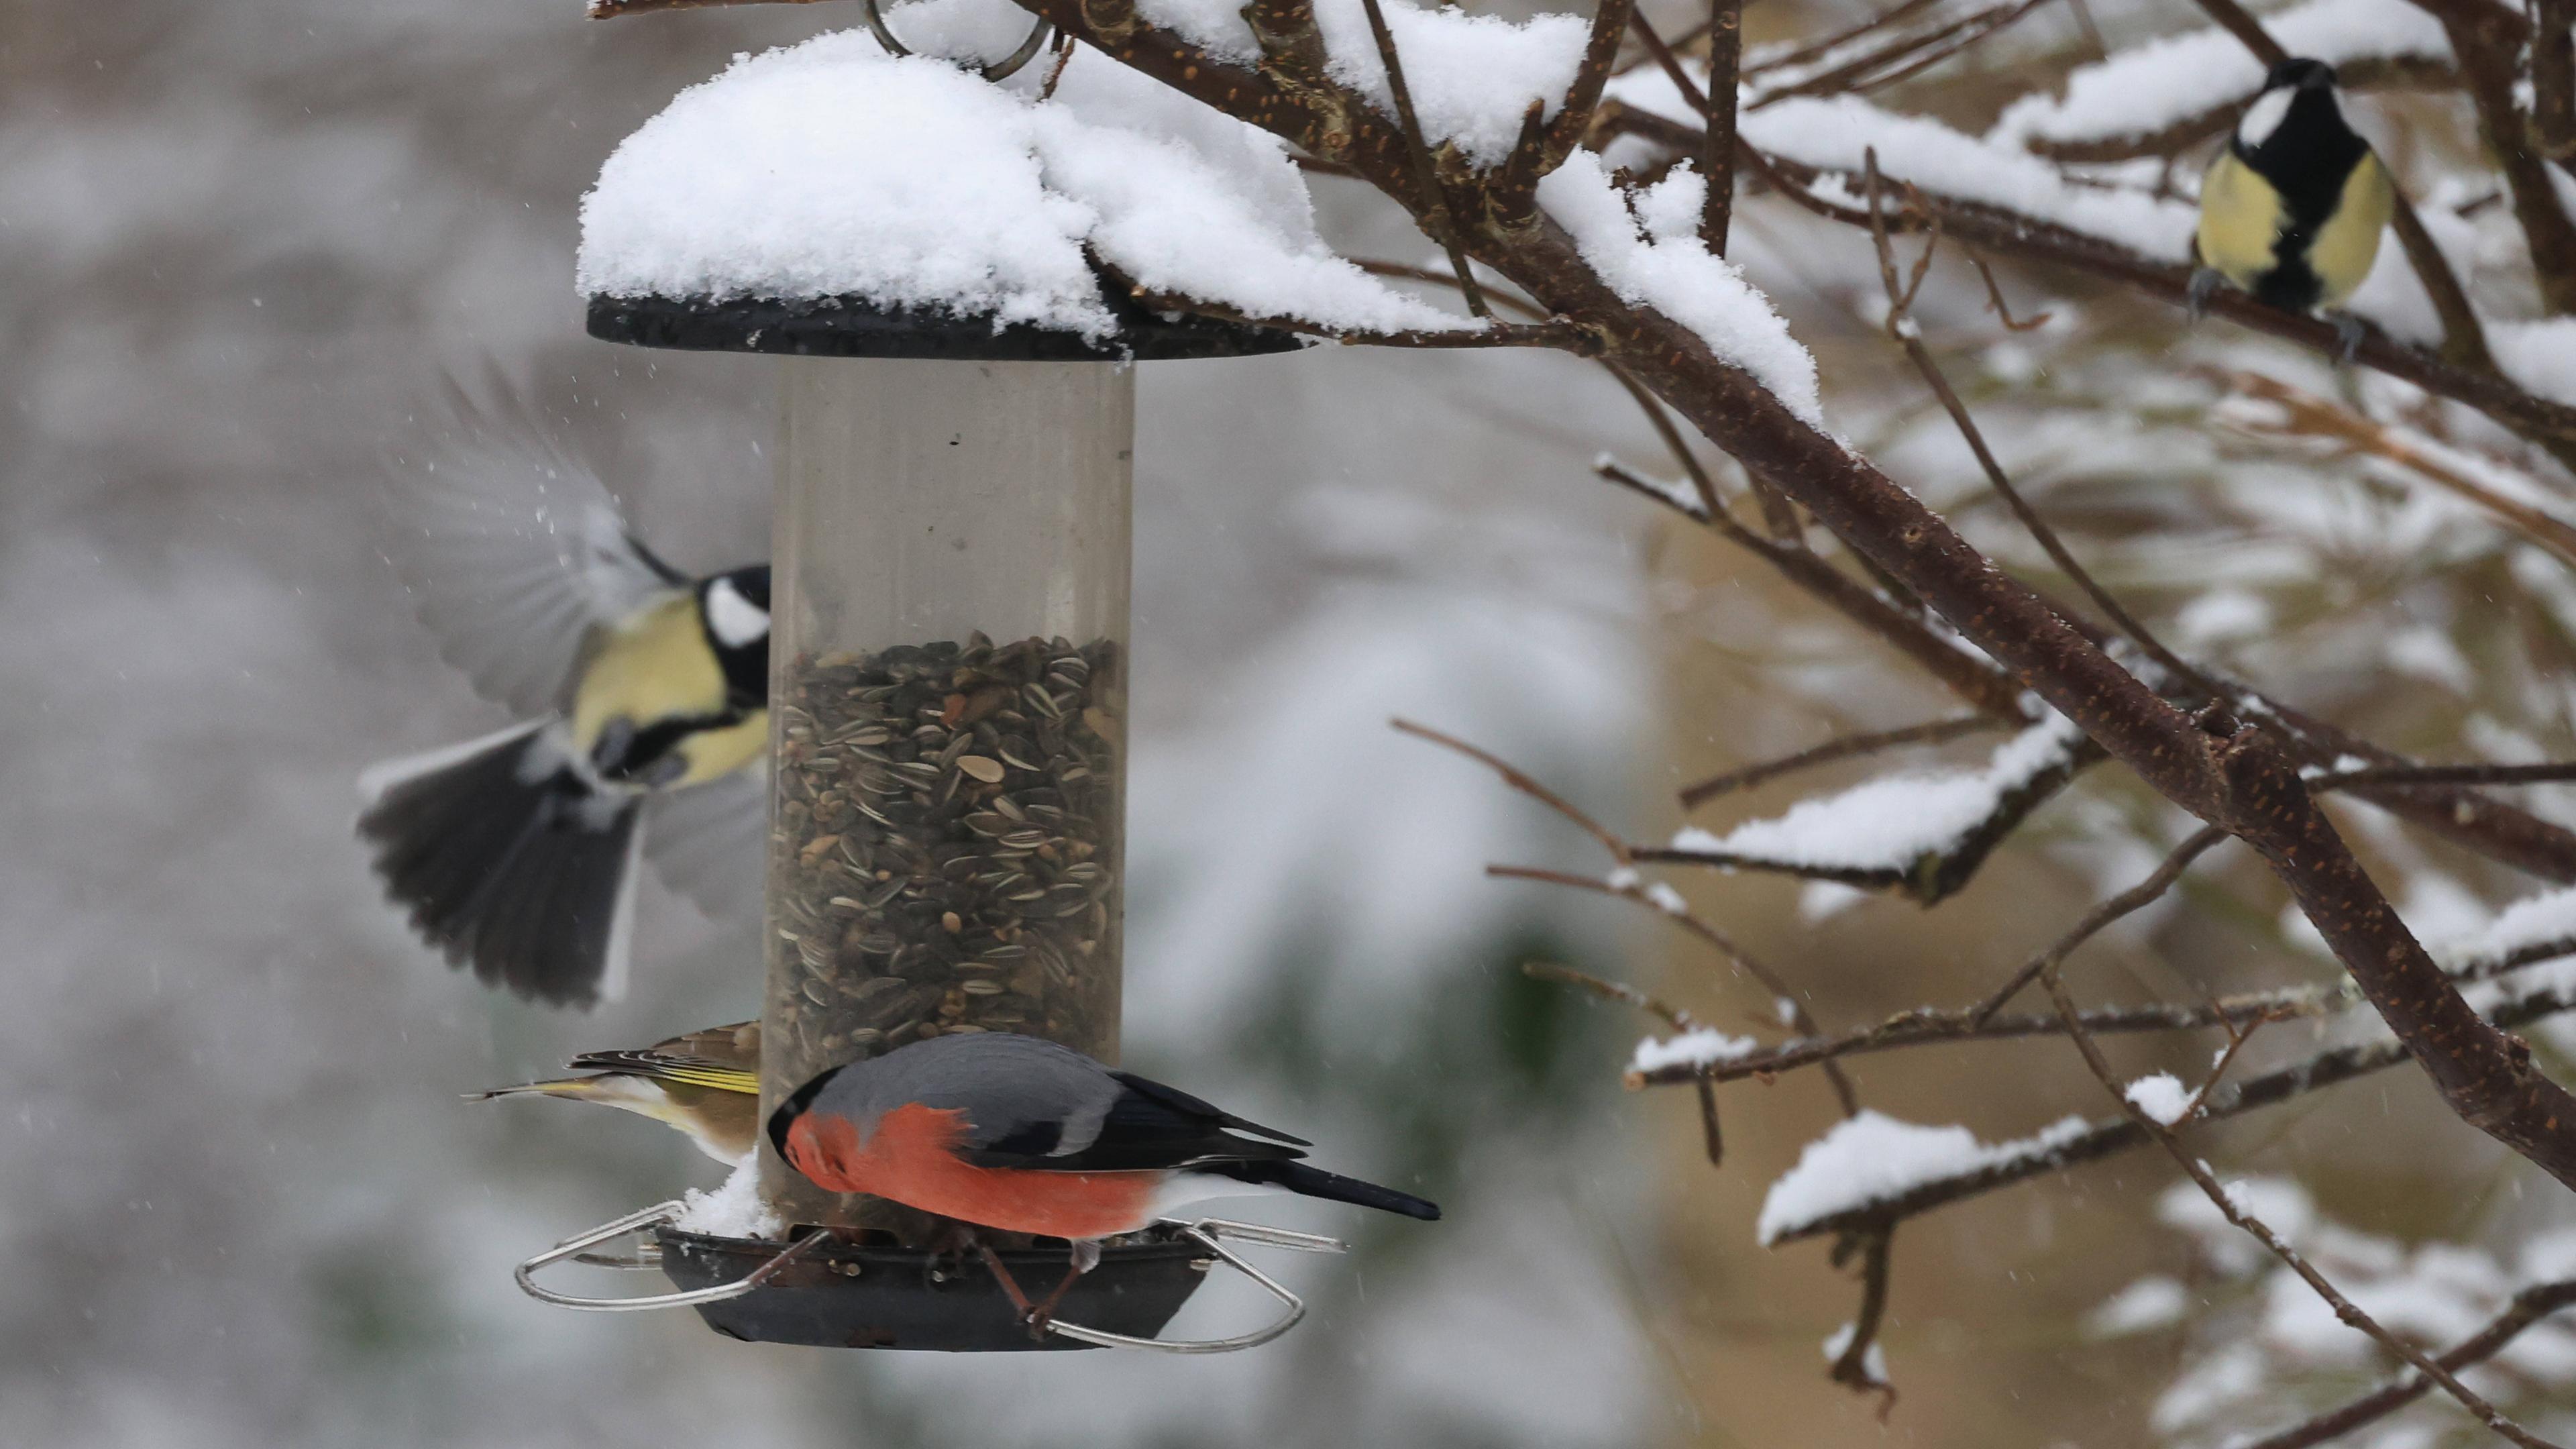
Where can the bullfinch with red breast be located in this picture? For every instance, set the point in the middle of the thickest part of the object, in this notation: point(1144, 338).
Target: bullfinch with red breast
point(1026, 1136)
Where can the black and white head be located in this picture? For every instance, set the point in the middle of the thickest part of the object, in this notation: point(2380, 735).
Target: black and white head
point(735, 607)
point(2297, 102)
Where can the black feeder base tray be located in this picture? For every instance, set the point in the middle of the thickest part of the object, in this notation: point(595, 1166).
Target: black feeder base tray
point(841, 1296)
point(822, 1291)
point(847, 327)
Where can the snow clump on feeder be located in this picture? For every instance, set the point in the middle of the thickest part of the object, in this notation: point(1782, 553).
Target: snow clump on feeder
point(833, 170)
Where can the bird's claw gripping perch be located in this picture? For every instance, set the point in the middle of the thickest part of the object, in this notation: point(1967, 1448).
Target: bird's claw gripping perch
point(2205, 282)
point(2349, 332)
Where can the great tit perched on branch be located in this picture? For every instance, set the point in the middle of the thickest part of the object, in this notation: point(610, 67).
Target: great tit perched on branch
point(646, 691)
point(2293, 209)
point(705, 1084)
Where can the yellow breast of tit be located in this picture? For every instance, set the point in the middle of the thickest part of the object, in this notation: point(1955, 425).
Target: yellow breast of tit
point(651, 668)
point(2240, 219)
point(2347, 245)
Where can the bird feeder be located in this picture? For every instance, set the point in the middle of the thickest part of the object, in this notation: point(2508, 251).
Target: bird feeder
point(948, 697)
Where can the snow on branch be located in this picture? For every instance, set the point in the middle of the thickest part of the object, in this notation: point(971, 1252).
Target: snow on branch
point(2167, 84)
point(1836, 135)
point(2532, 929)
point(1705, 1047)
point(1647, 247)
point(833, 170)
point(1922, 833)
point(1472, 77)
point(1871, 1158)
point(2544, 997)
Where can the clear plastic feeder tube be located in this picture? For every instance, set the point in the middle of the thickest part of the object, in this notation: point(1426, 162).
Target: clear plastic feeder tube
point(949, 697)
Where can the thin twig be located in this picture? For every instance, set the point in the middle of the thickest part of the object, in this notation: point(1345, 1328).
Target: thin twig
point(1995, 296)
point(1712, 1135)
point(2158, 881)
point(2464, 338)
point(1717, 156)
point(1717, 166)
point(2527, 1308)
point(2545, 772)
point(1920, 64)
point(2231, 17)
point(1931, 732)
point(2306, 415)
point(1925, 1026)
point(1670, 1015)
point(1901, 326)
point(1897, 15)
point(1851, 1368)
point(1692, 94)
point(1064, 47)
point(1618, 848)
point(2199, 1173)
point(1426, 175)
point(1713, 508)
point(2092, 32)
point(1798, 1018)
point(2237, 1037)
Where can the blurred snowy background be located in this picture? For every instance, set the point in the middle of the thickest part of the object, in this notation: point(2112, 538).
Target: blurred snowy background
point(244, 1202)
point(243, 1205)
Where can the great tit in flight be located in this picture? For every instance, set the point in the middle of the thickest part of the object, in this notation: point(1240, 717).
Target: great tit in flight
point(644, 692)
point(705, 1084)
point(2293, 209)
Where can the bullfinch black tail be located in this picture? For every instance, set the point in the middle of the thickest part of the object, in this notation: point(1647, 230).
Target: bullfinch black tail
point(511, 862)
point(1298, 1178)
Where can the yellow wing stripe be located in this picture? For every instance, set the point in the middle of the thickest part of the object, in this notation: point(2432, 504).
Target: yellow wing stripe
point(672, 1067)
point(722, 1079)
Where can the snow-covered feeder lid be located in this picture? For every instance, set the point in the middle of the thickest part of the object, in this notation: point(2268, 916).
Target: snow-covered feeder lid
point(829, 198)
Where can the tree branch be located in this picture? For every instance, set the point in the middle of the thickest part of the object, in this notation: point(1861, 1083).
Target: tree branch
point(1427, 176)
point(2002, 232)
point(2366, 73)
point(2227, 1205)
point(1717, 156)
point(2486, 39)
point(2528, 1307)
point(1712, 1134)
point(1743, 961)
point(2231, 17)
point(2244, 784)
point(2331, 1067)
point(2127, 902)
point(2553, 78)
point(1901, 327)
point(1513, 777)
point(1931, 732)
point(2307, 415)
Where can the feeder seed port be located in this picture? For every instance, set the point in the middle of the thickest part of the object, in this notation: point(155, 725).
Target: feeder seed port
point(1211, 1234)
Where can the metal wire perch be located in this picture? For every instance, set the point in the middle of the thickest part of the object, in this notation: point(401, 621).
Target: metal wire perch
point(1211, 1234)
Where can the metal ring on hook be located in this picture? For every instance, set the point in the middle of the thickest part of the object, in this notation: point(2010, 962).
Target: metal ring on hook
point(1007, 65)
point(1209, 1233)
point(635, 1222)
